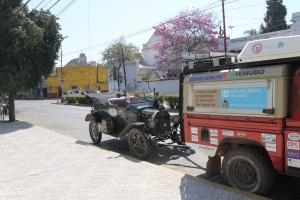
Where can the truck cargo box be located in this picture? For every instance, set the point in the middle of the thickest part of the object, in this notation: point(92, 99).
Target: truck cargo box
point(270, 49)
point(260, 92)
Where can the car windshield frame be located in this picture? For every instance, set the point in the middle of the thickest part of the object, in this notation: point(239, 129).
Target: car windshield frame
point(139, 105)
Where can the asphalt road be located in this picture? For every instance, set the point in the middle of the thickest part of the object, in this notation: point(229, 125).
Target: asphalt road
point(69, 120)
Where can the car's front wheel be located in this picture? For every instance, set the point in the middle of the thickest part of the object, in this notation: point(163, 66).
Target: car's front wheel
point(138, 144)
point(95, 135)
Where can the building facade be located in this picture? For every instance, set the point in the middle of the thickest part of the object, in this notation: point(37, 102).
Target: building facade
point(77, 77)
point(237, 44)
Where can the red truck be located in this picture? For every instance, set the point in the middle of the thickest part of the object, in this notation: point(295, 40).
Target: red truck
point(247, 112)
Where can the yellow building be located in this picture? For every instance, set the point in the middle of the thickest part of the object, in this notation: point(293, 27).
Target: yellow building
point(77, 77)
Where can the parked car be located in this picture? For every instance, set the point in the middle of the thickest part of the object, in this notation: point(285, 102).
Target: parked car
point(145, 122)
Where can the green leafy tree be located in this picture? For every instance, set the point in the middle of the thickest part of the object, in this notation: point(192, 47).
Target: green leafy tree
point(251, 32)
point(29, 46)
point(116, 54)
point(275, 17)
point(146, 75)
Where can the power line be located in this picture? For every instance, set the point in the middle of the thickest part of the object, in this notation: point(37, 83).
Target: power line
point(147, 29)
point(53, 5)
point(258, 4)
point(256, 23)
point(27, 2)
point(66, 8)
point(46, 4)
point(24, 5)
point(242, 18)
point(39, 4)
point(220, 5)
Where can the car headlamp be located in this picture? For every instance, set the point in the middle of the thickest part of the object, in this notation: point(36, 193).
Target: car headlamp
point(151, 123)
point(175, 119)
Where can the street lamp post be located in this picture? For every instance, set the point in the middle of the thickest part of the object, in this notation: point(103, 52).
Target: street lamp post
point(61, 67)
point(231, 27)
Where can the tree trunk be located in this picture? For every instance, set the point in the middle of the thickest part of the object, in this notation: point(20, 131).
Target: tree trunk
point(11, 107)
point(149, 86)
point(118, 80)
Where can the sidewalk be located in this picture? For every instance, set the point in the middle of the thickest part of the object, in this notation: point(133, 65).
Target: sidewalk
point(37, 163)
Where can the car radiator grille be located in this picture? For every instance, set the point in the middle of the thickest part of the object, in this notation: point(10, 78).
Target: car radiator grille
point(162, 128)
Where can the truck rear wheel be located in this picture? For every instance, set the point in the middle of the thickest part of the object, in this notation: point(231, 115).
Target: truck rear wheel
point(248, 169)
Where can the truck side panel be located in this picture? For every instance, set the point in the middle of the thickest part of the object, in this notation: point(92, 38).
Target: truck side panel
point(210, 134)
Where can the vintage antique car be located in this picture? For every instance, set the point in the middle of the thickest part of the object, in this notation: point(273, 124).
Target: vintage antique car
point(144, 121)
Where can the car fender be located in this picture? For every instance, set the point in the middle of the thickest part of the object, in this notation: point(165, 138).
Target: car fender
point(97, 115)
point(139, 125)
point(88, 117)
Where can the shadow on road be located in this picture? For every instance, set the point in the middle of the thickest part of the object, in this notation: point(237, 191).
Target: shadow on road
point(83, 143)
point(285, 188)
point(10, 127)
point(164, 155)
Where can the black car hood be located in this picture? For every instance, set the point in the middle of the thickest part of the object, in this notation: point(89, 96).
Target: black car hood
point(148, 111)
point(101, 98)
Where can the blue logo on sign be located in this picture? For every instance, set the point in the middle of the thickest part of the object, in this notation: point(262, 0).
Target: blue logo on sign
point(293, 154)
point(280, 45)
point(254, 98)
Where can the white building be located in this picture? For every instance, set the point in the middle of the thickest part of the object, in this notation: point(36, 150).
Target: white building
point(237, 44)
point(149, 52)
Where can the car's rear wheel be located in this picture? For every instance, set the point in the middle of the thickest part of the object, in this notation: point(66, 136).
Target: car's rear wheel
point(95, 135)
point(138, 144)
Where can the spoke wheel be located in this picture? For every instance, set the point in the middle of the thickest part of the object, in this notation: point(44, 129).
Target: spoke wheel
point(248, 169)
point(138, 144)
point(176, 136)
point(95, 135)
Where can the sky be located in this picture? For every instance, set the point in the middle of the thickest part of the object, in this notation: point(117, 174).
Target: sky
point(90, 26)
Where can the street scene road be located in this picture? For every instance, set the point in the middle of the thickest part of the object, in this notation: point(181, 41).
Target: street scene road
point(69, 120)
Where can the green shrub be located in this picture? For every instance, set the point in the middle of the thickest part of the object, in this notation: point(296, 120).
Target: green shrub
point(172, 100)
point(75, 99)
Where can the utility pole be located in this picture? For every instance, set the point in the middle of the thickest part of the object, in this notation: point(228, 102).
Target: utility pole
point(61, 67)
point(224, 28)
point(97, 84)
point(61, 72)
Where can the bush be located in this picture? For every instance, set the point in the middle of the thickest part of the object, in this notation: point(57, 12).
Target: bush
point(171, 100)
point(75, 99)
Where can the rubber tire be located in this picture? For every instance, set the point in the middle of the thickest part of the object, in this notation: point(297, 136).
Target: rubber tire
point(144, 142)
point(93, 129)
point(255, 159)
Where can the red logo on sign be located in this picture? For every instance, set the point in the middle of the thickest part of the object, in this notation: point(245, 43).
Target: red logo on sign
point(257, 47)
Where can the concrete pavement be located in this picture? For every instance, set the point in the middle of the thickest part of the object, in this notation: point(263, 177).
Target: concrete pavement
point(37, 163)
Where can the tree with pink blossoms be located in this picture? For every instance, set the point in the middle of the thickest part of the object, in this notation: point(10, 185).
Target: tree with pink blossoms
point(191, 31)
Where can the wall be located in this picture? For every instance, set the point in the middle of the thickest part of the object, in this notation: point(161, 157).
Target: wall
point(132, 69)
point(163, 86)
point(81, 76)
